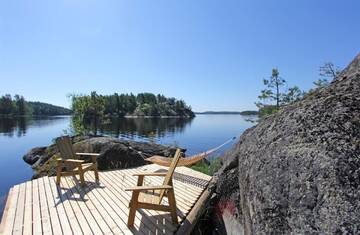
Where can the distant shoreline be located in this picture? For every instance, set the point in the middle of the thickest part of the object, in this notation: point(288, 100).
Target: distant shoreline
point(245, 113)
point(137, 116)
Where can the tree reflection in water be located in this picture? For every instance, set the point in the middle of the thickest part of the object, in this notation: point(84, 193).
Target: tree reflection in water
point(149, 128)
point(11, 126)
point(132, 128)
point(18, 126)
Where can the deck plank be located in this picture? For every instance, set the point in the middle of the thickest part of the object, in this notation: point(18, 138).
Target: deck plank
point(85, 204)
point(85, 219)
point(95, 209)
point(70, 213)
point(63, 217)
point(107, 223)
point(5, 212)
point(117, 205)
point(117, 225)
point(45, 214)
point(28, 209)
point(41, 207)
point(37, 226)
point(20, 208)
point(55, 222)
point(12, 199)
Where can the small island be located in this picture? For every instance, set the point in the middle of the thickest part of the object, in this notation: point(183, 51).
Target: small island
point(129, 105)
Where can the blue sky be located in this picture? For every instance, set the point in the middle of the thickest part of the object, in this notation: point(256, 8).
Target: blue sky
point(212, 54)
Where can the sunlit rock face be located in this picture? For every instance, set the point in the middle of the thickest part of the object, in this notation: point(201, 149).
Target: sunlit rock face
point(298, 171)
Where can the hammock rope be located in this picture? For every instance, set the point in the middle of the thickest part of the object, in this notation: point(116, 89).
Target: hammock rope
point(187, 161)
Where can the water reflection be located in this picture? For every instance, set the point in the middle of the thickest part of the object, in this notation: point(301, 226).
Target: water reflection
point(144, 128)
point(13, 126)
point(18, 126)
point(133, 128)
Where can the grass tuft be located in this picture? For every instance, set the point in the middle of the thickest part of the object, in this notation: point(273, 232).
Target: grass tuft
point(208, 169)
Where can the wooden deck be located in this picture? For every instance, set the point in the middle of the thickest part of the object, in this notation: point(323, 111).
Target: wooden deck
point(41, 207)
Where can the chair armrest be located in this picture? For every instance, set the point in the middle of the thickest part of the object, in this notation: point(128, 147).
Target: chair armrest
point(92, 155)
point(88, 154)
point(145, 188)
point(76, 161)
point(150, 174)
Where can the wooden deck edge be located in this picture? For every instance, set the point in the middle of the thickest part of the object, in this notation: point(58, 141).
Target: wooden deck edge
point(187, 226)
point(6, 209)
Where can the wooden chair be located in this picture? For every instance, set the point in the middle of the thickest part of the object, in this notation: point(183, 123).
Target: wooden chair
point(71, 162)
point(166, 189)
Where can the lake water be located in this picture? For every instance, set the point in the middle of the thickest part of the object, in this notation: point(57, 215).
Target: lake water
point(19, 135)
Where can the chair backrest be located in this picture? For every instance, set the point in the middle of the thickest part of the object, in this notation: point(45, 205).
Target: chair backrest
point(65, 147)
point(169, 175)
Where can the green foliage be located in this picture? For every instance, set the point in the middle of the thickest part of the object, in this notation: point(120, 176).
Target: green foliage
point(79, 126)
point(321, 82)
point(88, 106)
point(293, 94)
point(144, 104)
point(267, 110)
point(273, 84)
point(329, 70)
point(274, 95)
point(19, 106)
point(208, 169)
point(7, 106)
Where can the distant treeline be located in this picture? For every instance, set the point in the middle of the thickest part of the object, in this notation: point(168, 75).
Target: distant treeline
point(17, 105)
point(142, 104)
point(248, 112)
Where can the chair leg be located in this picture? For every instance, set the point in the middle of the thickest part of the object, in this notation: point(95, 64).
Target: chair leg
point(133, 208)
point(172, 204)
point(96, 175)
point(58, 173)
point(81, 174)
point(134, 202)
point(82, 179)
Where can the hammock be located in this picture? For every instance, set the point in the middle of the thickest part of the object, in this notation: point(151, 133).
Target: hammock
point(188, 161)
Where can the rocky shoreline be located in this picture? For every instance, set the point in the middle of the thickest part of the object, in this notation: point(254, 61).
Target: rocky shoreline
point(114, 153)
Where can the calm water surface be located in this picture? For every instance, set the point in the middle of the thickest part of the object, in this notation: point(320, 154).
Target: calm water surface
point(19, 135)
